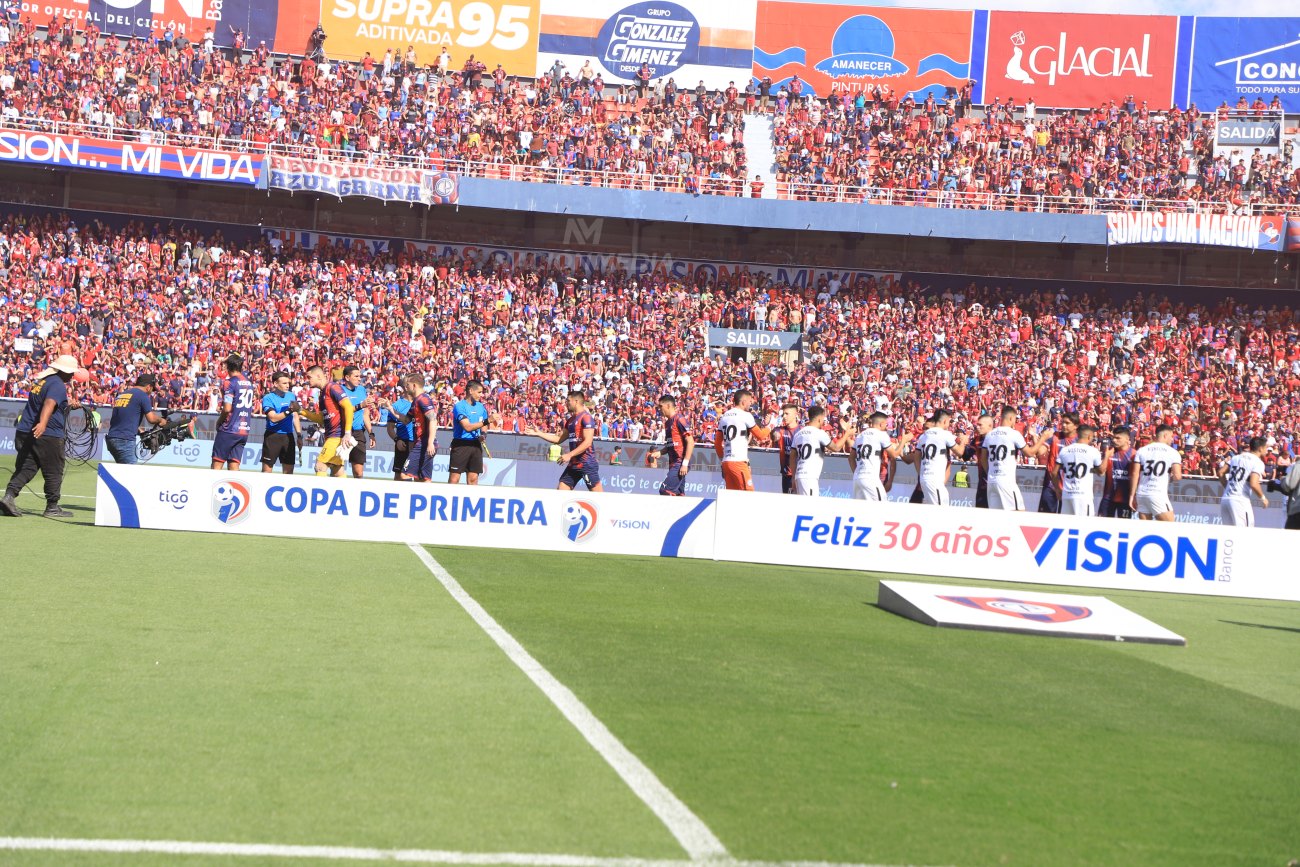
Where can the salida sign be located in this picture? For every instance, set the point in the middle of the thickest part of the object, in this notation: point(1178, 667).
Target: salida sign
point(1080, 61)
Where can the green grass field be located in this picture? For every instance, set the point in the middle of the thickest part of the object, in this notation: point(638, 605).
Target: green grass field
point(164, 686)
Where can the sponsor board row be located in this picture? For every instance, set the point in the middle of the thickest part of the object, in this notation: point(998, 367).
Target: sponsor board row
point(131, 157)
point(1060, 60)
point(274, 504)
point(795, 531)
point(1195, 501)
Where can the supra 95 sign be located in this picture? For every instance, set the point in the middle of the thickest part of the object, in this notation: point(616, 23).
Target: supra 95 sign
point(491, 30)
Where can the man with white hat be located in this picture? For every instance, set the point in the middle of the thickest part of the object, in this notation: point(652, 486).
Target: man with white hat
point(39, 438)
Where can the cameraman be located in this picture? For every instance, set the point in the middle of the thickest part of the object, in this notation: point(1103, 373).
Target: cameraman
point(131, 409)
point(39, 438)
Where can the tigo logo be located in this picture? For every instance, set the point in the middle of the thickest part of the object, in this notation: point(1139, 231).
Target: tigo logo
point(1149, 554)
point(1025, 609)
point(231, 502)
point(580, 520)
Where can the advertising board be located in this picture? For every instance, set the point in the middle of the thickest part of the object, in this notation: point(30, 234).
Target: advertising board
point(838, 49)
point(1080, 60)
point(1253, 58)
point(132, 158)
point(1246, 232)
point(689, 41)
point(1005, 546)
point(492, 31)
point(283, 25)
point(272, 504)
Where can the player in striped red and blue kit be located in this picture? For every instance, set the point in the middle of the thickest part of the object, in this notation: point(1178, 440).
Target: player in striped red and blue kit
point(580, 434)
point(334, 414)
point(679, 444)
point(236, 419)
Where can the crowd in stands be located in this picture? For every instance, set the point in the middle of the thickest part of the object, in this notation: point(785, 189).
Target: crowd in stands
point(166, 301)
point(671, 135)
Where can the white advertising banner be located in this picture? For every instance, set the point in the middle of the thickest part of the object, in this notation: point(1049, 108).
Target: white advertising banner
point(1065, 616)
point(273, 504)
point(1024, 547)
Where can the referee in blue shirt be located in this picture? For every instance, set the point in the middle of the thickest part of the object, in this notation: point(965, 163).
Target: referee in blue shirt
point(361, 429)
point(283, 437)
point(402, 433)
point(469, 421)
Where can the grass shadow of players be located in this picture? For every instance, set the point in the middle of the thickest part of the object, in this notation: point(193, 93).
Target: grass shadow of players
point(1263, 626)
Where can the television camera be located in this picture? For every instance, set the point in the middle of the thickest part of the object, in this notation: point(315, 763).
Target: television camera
point(176, 427)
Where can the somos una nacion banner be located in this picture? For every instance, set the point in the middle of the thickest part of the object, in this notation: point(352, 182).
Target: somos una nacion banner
point(690, 41)
point(837, 49)
point(493, 31)
point(355, 179)
point(1245, 57)
point(1080, 61)
point(133, 158)
point(1210, 230)
point(283, 25)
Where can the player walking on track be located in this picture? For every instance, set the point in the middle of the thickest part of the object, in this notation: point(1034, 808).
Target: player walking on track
point(334, 415)
point(679, 443)
point(580, 459)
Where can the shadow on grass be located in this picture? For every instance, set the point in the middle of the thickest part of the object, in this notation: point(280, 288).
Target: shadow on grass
point(1263, 626)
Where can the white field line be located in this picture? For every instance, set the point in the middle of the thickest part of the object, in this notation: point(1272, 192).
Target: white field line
point(695, 837)
point(354, 853)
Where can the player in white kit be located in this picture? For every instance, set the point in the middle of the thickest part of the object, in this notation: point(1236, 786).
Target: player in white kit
point(934, 450)
point(1076, 464)
point(999, 450)
point(1241, 477)
point(869, 447)
point(735, 428)
point(806, 450)
point(1153, 466)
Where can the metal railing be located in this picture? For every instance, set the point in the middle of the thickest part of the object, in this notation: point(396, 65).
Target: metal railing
point(790, 190)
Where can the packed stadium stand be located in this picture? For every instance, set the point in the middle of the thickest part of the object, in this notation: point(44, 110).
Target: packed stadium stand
point(570, 126)
point(176, 303)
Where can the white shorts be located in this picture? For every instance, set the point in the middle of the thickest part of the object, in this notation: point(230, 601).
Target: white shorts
point(1078, 506)
point(1237, 512)
point(807, 487)
point(1005, 496)
point(868, 489)
point(1154, 506)
point(934, 493)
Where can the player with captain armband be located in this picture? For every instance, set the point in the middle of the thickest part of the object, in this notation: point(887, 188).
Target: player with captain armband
point(869, 447)
point(1153, 466)
point(1076, 464)
point(735, 428)
point(1241, 477)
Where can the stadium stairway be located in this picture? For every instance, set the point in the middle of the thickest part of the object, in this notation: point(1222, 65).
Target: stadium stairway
point(759, 151)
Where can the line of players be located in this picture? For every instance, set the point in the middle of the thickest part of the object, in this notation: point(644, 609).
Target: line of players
point(1136, 480)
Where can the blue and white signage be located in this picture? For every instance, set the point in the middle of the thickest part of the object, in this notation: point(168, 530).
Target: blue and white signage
point(1244, 57)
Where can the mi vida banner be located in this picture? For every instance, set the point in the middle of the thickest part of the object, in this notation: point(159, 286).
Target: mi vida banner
point(1208, 230)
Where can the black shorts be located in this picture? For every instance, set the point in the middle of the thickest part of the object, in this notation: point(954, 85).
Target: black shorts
point(1113, 509)
point(358, 453)
point(279, 448)
point(982, 497)
point(466, 457)
point(401, 451)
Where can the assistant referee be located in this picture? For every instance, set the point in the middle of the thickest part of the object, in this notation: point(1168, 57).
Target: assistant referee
point(469, 421)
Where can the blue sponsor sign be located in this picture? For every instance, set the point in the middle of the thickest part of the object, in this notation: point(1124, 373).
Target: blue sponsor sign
point(1244, 57)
